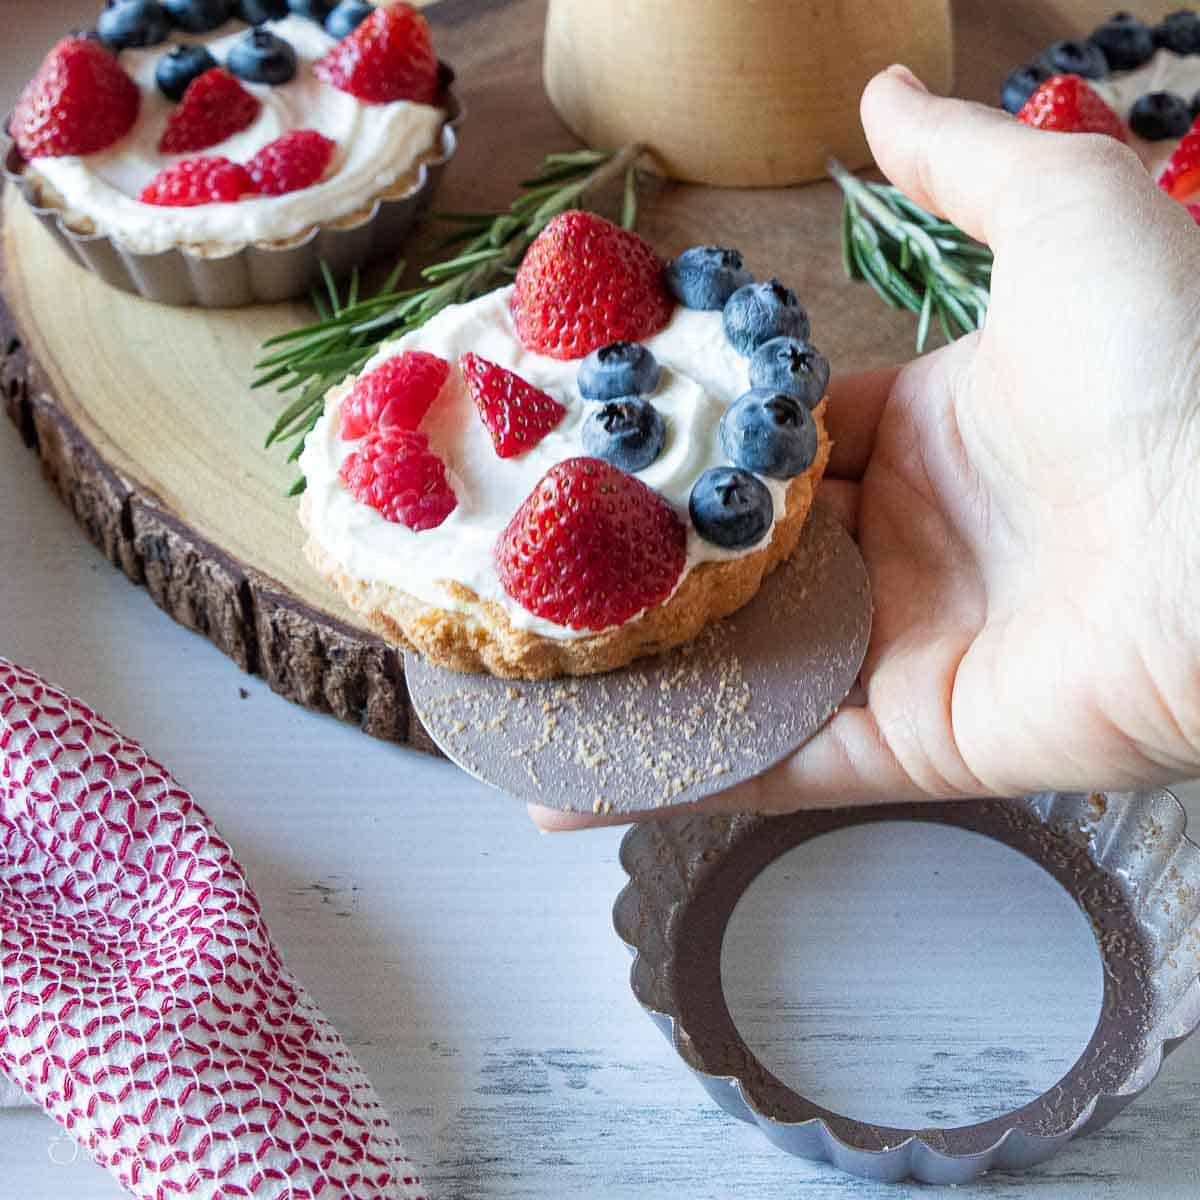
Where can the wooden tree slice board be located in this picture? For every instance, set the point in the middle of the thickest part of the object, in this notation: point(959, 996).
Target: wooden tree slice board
point(147, 429)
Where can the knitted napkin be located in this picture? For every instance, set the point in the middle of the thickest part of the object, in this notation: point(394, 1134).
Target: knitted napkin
point(144, 1006)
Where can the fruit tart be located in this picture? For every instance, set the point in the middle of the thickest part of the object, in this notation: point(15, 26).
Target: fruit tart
point(216, 151)
point(585, 467)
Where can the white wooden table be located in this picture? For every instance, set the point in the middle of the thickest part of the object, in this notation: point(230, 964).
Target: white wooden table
point(470, 961)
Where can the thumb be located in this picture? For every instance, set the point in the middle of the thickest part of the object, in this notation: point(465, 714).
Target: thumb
point(983, 170)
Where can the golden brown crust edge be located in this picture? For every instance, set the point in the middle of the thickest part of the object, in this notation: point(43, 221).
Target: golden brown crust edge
point(482, 639)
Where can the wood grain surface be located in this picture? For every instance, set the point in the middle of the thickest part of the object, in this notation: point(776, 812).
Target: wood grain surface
point(147, 429)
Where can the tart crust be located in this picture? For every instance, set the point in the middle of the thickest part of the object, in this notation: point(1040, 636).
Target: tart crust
point(479, 637)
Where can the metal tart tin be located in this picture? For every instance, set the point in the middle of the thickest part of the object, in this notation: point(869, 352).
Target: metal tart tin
point(1124, 858)
point(258, 273)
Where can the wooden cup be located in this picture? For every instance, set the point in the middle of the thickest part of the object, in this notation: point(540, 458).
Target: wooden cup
point(739, 93)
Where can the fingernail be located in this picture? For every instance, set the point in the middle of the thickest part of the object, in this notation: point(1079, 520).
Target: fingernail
point(900, 72)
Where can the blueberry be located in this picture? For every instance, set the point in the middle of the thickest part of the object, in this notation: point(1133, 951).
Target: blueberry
point(760, 311)
point(255, 12)
point(1179, 31)
point(618, 369)
point(770, 433)
point(1160, 115)
point(628, 433)
point(731, 508)
point(1073, 57)
point(786, 365)
point(1126, 41)
point(133, 23)
point(198, 16)
point(314, 10)
point(347, 17)
point(706, 276)
point(1021, 84)
point(179, 66)
point(262, 57)
point(1195, 106)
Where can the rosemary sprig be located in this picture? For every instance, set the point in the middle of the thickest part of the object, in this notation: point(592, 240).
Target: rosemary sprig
point(490, 246)
point(911, 258)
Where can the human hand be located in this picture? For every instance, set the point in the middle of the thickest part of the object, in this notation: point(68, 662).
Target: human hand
point(1025, 499)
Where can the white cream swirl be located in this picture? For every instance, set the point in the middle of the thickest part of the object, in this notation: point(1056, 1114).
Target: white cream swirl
point(701, 375)
point(376, 145)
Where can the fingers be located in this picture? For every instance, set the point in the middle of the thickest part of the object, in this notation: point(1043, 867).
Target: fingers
point(852, 415)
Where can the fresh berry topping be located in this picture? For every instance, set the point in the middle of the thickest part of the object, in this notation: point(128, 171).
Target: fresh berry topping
point(787, 365)
point(262, 57)
point(770, 433)
point(179, 66)
point(388, 57)
point(1126, 41)
point(517, 414)
point(1179, 32)
point(347, 17)
point(1075, 57)
point(133, 23)
point(618, 369)
point(395, 395)
point(731, 508)
point(296, 160)
point(255, 12)
point(214, 107)
point(1193, 212)
point(586, 282)
point(627, 433)
point(706, 276)
point(314, 10)
point(394, 472)
point(1021, 84)
point(1066, 104)
point(79, 102)
point(759, 312)
point(198, 181)
point(1181, 177)
point(198, 16)
point(1158, 116)
point(591, 547)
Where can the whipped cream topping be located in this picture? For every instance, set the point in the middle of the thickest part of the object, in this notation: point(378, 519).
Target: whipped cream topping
point(376, 145)
point(702, 375)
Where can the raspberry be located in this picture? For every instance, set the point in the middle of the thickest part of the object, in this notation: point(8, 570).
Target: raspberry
point(212, 180)
point(591, 547)
point(291, 162)
point(586, 282)
point(214, 108)
point(396, 395)
point(517, 414)
point(1181, 177)
point(79, 102)
point(1066, 104)
point(388, 57)
point(394, 472)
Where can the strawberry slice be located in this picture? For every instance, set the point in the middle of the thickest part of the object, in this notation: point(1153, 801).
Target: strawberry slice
point(214, 108)
point(591, 547)
point(1066, 104)
point(1181, 176)
point(517, 414)
point(388, 57)
point(586, 282)
point(212, 180)
point(79, 102)
point(395, 395)
point(394, 472)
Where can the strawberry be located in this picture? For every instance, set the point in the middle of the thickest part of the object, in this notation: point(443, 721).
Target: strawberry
point(396, 395)
point(1181, 176)
point(1193, 212)
point(79, 102)
point(1067, 104)
point(214, 108)
point(586, 282)
point(296, 160)
point(388, 57)
point(212, 180)
point(591, 547)
point(394, 472)
point(517, 414)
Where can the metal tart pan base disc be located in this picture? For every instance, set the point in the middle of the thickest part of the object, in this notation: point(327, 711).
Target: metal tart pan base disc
point(673, 729)
point(1124, 858)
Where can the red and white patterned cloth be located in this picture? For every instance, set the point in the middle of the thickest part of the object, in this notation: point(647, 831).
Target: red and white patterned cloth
point(144, 1006)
